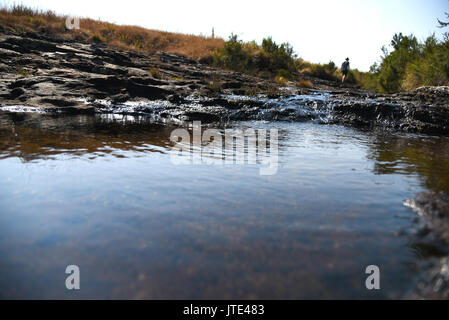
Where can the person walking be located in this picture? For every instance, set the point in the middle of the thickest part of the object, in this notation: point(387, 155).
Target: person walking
point(345, 70)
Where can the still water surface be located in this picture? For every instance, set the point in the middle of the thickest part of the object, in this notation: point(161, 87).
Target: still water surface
point(101, 192)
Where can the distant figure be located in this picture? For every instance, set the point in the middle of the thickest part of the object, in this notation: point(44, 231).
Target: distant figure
point(345, 70)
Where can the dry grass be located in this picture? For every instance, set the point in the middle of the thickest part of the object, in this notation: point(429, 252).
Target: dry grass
point(20, 19)
point(155, 73)
point(281, 81)
point(305, 83)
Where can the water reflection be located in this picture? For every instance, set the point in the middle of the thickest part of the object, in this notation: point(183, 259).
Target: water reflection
point(140, 227)
point(422, 156)
point(32, 136)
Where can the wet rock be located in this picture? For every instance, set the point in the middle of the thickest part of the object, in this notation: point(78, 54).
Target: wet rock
point(176, 99)
point(119, 98)
point(431, 240)
point(59, 102)
point(15, 93)
point(232, 85)
point(27, 45)
point(411, 115)
point(433, 283)
point(433, 210)
point(144, 91)
point(366, 113)
point(7, 54)
point(40, 69)
point(201, 116)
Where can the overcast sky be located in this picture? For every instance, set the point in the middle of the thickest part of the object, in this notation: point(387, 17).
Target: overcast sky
point(319, 30)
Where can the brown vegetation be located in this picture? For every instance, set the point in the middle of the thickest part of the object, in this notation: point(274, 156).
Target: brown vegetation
point(20, 19)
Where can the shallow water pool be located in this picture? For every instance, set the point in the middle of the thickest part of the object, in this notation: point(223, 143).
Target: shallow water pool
point(102, 192)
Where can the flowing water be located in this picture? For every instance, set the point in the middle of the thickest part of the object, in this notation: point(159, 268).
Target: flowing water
point(102, 192)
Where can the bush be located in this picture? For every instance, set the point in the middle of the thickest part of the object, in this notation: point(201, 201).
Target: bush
point(394, 64)
point(327, 71)
point(282, 73)
point(155, 73)
point(367, 80)
point(305, 83)
point(277, 60)
point(97, 38)
point(431, 68)
point(232, 56)
point(412, 64)
point(279, 56)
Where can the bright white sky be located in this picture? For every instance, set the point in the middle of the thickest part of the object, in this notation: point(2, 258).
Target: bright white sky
point(319, 30)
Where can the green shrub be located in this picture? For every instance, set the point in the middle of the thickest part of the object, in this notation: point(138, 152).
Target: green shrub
point(280, 57)
point(324, 71)
point(412, 64)
point(97, 38)
point(431, 68)
point(138, 44)
point(282, 73)
point(278, 60)
point(21, 10)
point(394, 64)
point(367, 80)
point(232, 56)
point(155, 73)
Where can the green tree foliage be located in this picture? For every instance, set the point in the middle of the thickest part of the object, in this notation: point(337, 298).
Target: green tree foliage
point(405, 65)
point(443, 24)
point(409, 64)
point(394, 64)
point(232, 56)
point(279, 57)
point(431, 68)
point(412, 64)
point(252, 58)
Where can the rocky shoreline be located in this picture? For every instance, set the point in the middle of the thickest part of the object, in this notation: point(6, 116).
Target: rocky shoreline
point(50, 74)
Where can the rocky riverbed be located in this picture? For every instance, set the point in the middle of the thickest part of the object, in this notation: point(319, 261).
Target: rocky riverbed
point(49, 74)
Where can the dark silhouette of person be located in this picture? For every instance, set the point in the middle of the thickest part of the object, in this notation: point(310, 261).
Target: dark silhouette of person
point(345, 70)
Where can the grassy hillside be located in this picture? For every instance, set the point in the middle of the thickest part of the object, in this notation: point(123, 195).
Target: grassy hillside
point(19, 19)
point(268, 60)
point(409, 65)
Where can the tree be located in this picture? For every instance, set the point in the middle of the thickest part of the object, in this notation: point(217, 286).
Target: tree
point(233, 55)
point(408, 63)
point(393, 66)
point(443, 24)
point(278, 57)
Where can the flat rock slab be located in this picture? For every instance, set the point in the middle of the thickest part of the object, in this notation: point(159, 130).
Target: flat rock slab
point(43, 72)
